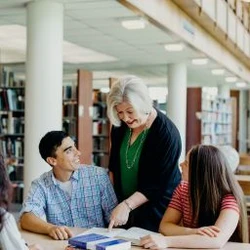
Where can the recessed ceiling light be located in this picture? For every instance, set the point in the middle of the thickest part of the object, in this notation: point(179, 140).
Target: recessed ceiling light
point(218, 71)
point(231, 79)
point(134, 24)
point(199, 61)
point(240, 84)
point(174, 46)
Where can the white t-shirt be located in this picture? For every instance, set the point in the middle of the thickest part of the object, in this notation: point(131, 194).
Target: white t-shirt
point(10, 237)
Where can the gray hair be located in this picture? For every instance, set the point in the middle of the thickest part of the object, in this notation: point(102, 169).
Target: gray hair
point(129, 89)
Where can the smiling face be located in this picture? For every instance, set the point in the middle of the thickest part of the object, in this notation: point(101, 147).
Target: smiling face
point(127, 114)
point(66, 159)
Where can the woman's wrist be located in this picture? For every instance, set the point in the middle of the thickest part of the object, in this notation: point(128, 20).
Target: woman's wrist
point(128, 205)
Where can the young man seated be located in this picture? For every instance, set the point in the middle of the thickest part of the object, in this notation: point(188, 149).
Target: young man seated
point(69, 195)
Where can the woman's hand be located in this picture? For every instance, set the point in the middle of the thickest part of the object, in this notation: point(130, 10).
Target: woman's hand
point(211, 231)
point(119, 215)
point(154, 242)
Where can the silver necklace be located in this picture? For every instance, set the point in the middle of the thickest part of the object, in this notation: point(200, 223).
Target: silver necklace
point(131, 165)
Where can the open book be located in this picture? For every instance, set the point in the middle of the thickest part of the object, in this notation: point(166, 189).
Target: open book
point(132, 234)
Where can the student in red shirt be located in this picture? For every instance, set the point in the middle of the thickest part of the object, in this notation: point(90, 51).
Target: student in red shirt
point(207, 208)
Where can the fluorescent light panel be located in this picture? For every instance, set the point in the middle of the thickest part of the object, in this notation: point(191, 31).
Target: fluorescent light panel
point(231, 79)
point(218, 72)
point(174, 46)
point(134, 24)
point(199, 61)
point(241, 84)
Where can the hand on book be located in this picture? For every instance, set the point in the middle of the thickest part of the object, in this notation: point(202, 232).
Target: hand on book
point(60, 232)
point(119, 216)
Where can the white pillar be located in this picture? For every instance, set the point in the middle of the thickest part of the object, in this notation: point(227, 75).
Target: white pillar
point(43, 96)
point(243, 121)
point(177, 100)
point(224, 91)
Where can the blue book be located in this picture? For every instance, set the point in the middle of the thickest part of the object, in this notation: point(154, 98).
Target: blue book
point(82, 240)
point(114, 244)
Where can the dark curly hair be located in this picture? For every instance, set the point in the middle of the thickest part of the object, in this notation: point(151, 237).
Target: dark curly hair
point(5, 191)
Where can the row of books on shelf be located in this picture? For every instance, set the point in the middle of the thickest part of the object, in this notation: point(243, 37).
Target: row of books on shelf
point(99, 110)
point(8, 79)
point(216, 117)
point(219, 105)
point(12, 99)
point(215, 128)
point(15, 173)
point(100, 127)
point(217, 139)
point(70, 110)
point(11, 125)
point(100, 159)
point(70, 92)
point(100, 143)
point(12, 147)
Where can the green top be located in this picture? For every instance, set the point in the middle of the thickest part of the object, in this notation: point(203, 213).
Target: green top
point(129, 157)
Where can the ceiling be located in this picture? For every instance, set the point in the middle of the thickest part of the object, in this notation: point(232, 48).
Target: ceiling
point(96, 25)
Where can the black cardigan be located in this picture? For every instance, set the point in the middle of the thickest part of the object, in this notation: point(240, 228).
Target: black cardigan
point(158, 173)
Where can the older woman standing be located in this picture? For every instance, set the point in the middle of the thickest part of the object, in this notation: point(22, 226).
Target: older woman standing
point(145, 149)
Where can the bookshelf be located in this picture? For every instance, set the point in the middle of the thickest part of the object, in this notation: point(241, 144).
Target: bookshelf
point(12, 94)
point(85, 118)
point(100, 129)
point(209, 118)
point(70, 108)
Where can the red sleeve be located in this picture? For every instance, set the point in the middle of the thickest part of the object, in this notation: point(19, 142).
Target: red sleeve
point(176, 201)
point(229, 202)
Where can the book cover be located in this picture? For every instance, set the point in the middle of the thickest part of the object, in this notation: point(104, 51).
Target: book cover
point(115, 244)
point(92, 245)
point(81, 241)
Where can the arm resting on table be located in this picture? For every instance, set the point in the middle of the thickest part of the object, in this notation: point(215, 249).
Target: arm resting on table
point(32, 223)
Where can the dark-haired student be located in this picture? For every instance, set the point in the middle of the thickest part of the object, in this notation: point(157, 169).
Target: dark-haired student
point(209, 202)
point(10, 237)
point(69, 195)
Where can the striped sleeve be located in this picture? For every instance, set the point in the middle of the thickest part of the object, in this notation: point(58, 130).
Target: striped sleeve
point(176, 201)
point(229, 202)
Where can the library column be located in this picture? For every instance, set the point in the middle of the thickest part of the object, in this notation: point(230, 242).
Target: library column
point(177, 100)
point(43, 100)
point(224, 91)
point(243, 121)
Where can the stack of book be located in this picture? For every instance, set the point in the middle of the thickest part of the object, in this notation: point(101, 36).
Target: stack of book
point(93, 241)
point(98, 238)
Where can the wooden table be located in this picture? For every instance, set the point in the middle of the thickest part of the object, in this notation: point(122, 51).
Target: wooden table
point(49, 244)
